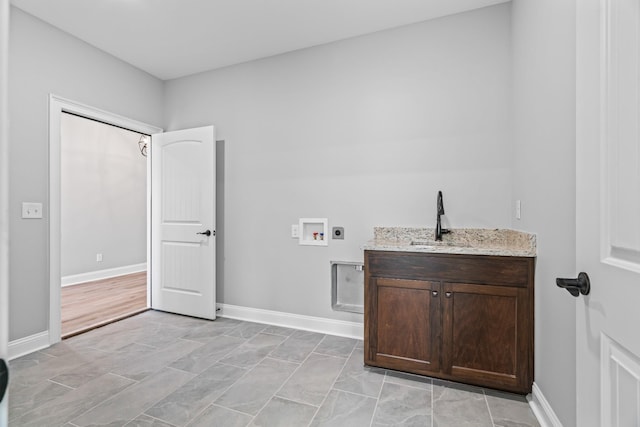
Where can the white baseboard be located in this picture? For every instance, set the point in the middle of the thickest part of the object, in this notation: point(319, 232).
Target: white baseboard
point(29, 344)
point(102, 274)
point(298, 321)
point(542, 409)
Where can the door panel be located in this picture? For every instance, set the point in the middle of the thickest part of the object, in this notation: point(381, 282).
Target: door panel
point(485, 333)
point(608, 211)
point(183, 207)
point(406, 324)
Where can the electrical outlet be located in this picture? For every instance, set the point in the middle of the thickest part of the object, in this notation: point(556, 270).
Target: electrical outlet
point(31, 210)
point(518, 209)
point(294, 231)
point(337, 233)
point(98, 257)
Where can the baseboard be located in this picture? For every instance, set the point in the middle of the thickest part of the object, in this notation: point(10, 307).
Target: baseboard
point(102, 274)
point(542, 409)
point(29, 344)
point(298, 321)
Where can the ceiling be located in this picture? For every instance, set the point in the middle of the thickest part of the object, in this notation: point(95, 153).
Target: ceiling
point(175, 38)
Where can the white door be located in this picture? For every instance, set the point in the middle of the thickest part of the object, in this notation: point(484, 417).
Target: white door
point(608, 212)
point(183, 242)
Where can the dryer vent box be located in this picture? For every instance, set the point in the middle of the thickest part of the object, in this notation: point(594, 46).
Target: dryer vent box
point(347, 286)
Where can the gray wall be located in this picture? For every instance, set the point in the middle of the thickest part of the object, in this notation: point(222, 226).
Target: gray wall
point(44, 60)
point(544, 180)
point(363, 132)
point(103, 197)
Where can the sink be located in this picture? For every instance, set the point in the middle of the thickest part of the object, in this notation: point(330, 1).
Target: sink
point(432, 243)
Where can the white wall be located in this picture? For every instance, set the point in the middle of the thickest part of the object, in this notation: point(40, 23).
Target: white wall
point(103, 197)
point(45, 60)
point(544, 180)
point(4, 194)
point(363, 132)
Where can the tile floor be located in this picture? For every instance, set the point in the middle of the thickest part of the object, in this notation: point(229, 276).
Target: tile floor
point(159, 369)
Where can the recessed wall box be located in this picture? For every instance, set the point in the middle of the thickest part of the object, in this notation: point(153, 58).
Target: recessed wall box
point(313, 231)
point(347, 286)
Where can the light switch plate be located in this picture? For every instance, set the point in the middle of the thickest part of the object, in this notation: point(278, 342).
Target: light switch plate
point(31, 210)
point(518, 209)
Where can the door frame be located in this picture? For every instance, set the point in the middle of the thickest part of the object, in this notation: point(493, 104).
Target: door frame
point(4, 195)
point(57, 106)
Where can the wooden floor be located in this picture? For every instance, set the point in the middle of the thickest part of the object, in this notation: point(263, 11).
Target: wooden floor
point(89, 305)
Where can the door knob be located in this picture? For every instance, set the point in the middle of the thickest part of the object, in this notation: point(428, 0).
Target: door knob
point(575, 287)
point(4, 378)
point(206, 233)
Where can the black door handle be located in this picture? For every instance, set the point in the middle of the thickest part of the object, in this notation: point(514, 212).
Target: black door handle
point(4, 378)
point(206, 233)
point(578, 286)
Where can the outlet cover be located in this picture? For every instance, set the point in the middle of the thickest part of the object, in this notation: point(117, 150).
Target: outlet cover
point(294, 231)
point(31, 210)
point(337, 233)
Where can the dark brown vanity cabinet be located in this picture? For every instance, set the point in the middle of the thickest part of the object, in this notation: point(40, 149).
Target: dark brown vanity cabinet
point(465, 318)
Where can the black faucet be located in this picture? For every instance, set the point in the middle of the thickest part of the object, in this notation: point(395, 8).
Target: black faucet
point(440, 211)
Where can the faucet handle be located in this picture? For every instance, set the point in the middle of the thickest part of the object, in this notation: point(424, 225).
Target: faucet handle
point(440, 204)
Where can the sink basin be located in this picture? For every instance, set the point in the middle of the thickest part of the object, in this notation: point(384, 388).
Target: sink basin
point(433, 243)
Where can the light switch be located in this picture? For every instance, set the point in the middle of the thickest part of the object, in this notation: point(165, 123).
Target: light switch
point(31, 210)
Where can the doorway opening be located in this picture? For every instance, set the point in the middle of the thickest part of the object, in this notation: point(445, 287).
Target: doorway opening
point(103, 215)
point(58, 109)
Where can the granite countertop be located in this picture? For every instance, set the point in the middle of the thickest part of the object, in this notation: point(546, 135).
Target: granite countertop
point(470, 241)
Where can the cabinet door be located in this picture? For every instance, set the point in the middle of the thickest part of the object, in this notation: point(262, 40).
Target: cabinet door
point(486, 335)
point(403, 324)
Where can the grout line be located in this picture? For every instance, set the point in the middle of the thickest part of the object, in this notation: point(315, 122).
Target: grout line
point(378, 399)
point(110, 397)
point(486, 401)
point(126, 378)
point(296, 401)
point(409, 385)
point(353, 393)
point(326, 396)
point(58, 383)
point(230, 409)
point(332, 355)
point(247, 371)
point(433, 408)
point(152, 417)
point(293, 373)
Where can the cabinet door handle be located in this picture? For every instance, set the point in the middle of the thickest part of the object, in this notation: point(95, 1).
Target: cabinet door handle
point(434, 293)
point(448, 294)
